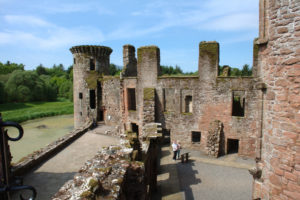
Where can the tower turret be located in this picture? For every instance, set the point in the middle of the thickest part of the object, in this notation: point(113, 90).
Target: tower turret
point(90, 63)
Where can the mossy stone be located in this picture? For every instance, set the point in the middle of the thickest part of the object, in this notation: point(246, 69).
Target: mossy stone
point(211, 49)
point(149, 94)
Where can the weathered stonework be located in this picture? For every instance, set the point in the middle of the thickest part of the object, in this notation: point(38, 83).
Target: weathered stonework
point(278, 58)
point(214, 138)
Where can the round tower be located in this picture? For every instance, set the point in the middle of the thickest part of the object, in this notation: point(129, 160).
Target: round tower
point(90, 63)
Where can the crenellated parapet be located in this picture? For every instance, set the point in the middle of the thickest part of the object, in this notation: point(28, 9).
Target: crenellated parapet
point(92, 50)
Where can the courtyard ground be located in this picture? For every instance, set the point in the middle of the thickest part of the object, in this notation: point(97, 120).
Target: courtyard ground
point(204, 178)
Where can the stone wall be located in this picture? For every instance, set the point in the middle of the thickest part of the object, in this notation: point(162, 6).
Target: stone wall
point(114, 174)
point(112, 100)
point(279, 64)
point(209, 96)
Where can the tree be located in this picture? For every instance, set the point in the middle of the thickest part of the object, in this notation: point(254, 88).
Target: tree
point(114, 69)
point(25, 86)
point(9, 67)
point(41, 70)
point(246, 71)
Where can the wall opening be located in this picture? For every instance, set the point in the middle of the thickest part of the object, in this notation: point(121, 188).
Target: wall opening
point(92, 99)
point(101, 115)
point(196, 136)
point(131, 99)
point(80, 95)
point(238, 104)
point(188, 104)
point(74, 60)
point(135, 128)
point(232, 146)
point(166, 136)
point(92, 64)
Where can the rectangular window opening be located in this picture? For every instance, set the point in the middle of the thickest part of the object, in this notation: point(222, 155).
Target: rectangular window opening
point(196, 136)
point(131, 98)
point(238, 105)
point(92, 64)
point(92, 99)
point(74, 60)
point(188, 104)
point(80, 95)
point(232, 146)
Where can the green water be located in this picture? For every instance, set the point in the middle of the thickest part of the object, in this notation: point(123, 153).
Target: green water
point(38, 133)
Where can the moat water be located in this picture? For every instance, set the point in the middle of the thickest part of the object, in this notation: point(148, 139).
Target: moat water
point(39, 133)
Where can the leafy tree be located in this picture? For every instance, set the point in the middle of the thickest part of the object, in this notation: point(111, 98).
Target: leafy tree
point(9, 67)
point(41, 70)
point(25, 86)
point(114, 69)
point(246, 71)
point(2, 93)
point(51, 90)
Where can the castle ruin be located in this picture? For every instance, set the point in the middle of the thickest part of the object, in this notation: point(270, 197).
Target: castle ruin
point(257, 117)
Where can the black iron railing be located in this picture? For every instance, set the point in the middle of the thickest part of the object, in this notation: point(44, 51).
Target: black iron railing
point(8, 183)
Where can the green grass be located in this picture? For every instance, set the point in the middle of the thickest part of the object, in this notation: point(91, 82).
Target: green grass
point(20, 112)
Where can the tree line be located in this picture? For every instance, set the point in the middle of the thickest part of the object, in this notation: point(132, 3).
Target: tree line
point(40, 84)
point(170, 70)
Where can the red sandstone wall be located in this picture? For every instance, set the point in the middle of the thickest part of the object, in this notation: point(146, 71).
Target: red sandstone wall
point(279, 63)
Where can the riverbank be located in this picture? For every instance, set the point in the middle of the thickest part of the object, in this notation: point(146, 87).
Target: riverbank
point(20, 112)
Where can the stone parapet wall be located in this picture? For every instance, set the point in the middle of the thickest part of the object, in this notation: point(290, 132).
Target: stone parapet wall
point(113, 173)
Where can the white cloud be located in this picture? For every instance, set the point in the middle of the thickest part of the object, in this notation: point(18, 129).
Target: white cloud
point(46, 35)
point(84, 6)
point(232, 22)
point(26, 20)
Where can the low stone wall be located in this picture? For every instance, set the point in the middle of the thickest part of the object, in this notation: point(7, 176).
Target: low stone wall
point(37, 157)
point(115, 174)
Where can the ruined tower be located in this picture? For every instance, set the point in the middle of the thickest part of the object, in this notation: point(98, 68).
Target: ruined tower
point(90, 64)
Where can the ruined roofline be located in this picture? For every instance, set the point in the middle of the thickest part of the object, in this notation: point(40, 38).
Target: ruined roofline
point(92, 50)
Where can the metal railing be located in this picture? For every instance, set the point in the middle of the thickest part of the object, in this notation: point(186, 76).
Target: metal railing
point(8, 183)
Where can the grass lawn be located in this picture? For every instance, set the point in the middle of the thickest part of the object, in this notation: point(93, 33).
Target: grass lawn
point(20, 112)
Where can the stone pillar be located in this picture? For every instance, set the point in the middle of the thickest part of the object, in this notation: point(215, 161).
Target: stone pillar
point(148, 65)
point(208, 62)
point(129, 61)
point(148, 69)
point(277, 173)
point(90, 63)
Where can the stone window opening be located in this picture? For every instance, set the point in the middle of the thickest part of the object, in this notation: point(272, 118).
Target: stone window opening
point(92, 99)
point(238, 105)
point(135, 128)
point(188, 104)
point(74, 60)
point(92, 64)
point(131, 99)
point(80, 95)
point(196, 136)
point(232, 146)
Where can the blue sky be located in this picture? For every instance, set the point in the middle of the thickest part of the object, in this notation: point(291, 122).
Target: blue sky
point(39, 31)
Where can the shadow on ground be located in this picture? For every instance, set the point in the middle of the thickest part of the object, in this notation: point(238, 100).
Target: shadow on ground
point(45, 183)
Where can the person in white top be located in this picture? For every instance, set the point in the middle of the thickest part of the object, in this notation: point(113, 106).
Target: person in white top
point(174, 148)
